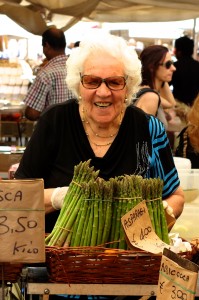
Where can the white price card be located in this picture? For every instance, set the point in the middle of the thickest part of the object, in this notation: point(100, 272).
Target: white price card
point(22, 219)
point(139, 231)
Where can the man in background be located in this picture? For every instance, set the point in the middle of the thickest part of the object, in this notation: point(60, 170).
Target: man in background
point(49, 86)
point(185, 80)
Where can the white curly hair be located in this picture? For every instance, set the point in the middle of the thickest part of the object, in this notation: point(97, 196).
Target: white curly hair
point(104, 43)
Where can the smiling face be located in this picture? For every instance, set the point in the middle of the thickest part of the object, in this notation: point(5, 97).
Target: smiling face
point(103, 106)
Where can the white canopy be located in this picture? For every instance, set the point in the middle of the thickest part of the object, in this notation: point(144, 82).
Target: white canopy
point(37, 15)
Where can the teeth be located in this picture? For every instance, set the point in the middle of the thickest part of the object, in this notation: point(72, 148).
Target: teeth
point(102, 104)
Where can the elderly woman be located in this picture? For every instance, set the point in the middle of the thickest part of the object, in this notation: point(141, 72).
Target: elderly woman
point(101, 125)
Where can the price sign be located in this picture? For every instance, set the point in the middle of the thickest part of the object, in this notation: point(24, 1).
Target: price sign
point(139, 231)
point(177, 278)
point(22, 219)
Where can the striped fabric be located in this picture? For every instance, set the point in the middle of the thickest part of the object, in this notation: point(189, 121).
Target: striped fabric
point(160, 159)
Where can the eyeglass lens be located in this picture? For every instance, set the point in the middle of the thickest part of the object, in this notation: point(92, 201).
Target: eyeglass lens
point(93, 82)
point(168, 64)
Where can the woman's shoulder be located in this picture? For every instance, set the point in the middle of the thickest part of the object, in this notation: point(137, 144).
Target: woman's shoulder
point(61, 107)
point(147, 98)
point(140, 115)
point(145, 90)
point(135, 110)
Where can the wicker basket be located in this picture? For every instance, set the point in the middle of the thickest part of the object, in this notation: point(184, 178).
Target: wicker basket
point(10, 272)
point(99, 265)
point(103, 266)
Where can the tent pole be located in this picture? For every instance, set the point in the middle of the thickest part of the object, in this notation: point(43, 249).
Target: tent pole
point(195, 38)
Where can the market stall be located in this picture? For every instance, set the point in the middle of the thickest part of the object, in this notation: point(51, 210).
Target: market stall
point(14, 128)
point(9, 156)
point(92, 269)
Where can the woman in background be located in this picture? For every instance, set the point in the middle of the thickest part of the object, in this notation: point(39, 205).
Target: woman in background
point(188, 146)
point(157, 70)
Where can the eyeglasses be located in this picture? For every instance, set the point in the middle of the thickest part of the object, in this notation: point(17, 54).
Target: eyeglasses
point(115, 83)
point(167, 64)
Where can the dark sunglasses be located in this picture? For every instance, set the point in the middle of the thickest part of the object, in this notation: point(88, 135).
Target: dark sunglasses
point(114, 83)
point(167, 64)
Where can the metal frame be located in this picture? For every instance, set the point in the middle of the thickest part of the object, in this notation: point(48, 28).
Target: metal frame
point(91, 289)
point(47, 289)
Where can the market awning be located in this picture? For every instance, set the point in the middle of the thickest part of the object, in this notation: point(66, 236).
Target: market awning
point(36, 15)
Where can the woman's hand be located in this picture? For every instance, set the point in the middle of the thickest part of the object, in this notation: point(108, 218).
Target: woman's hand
point(168, 209)
point(53, 198)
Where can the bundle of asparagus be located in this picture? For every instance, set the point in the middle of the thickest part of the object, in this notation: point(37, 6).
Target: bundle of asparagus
point(93, 221)
point(127, 194)
point(62, 231)
point(152, 193)
point(92, 209)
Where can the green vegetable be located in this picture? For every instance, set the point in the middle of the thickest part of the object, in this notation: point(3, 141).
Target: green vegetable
point(93, 208)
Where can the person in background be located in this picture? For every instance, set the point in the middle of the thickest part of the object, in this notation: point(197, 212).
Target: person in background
point(100, 125)
point(73, 45)
point(49, 86)
point(76, 44)
point(155, 95)
point(185, 80)
point(188, 139)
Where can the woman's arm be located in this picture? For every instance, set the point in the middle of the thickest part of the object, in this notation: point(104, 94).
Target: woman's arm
point(47, 201)
point(148, 102)
point(163, 167)
point(166, 95)
point(176, 202)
